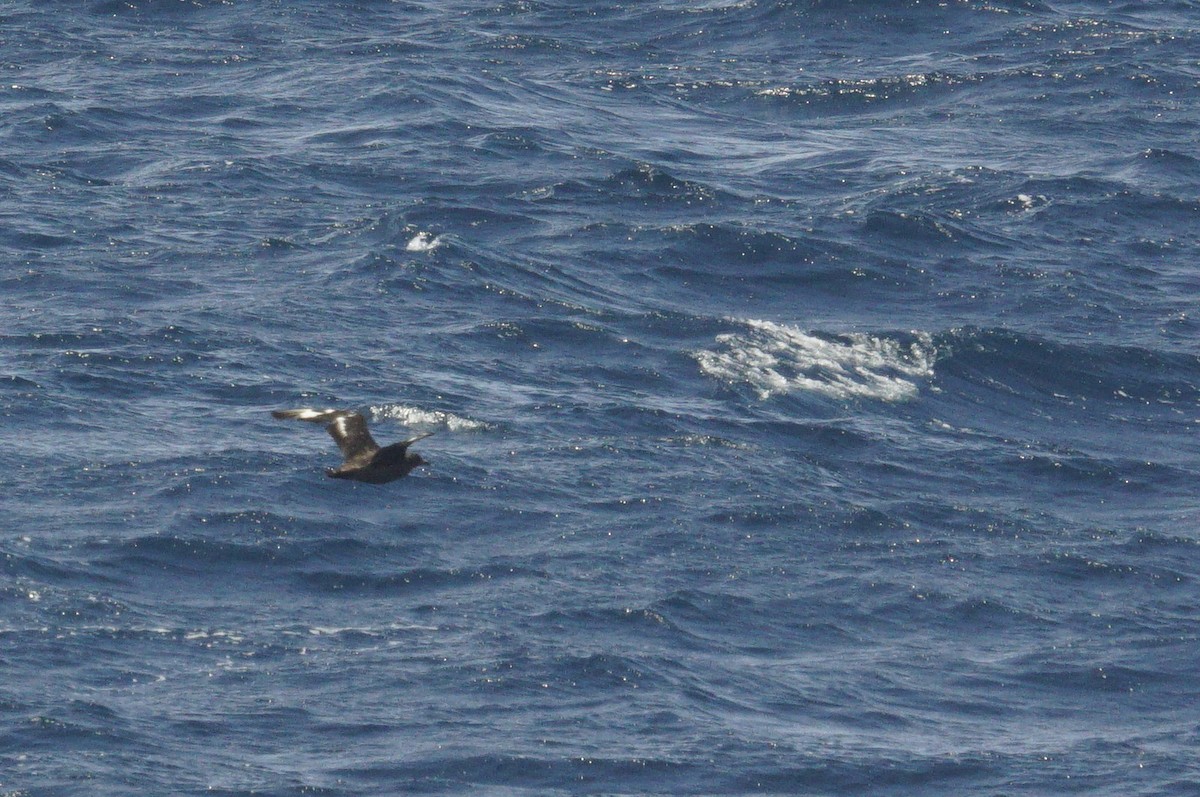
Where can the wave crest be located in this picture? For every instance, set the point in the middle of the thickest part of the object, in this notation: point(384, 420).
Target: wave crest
point(775, 359)
point(415, 416)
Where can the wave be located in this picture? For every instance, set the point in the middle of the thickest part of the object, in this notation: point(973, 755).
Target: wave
point(358, 581)
point(775, 359)
point(417, 417)
point(1031, 365)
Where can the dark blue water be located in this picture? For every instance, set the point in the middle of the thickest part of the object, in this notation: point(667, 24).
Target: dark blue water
point(815, 390)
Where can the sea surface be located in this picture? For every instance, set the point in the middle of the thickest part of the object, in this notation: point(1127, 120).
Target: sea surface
point(814, 389)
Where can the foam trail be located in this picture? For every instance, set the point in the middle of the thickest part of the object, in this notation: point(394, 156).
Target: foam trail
point(776, 358)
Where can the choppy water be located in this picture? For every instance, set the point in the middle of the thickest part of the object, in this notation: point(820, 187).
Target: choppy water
point(815, 389)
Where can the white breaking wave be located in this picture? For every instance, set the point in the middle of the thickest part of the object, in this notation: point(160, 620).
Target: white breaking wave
point(423, 242)
point(775, 359)
point(415, 416)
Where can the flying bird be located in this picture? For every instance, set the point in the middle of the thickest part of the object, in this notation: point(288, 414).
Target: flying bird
point(365, 461)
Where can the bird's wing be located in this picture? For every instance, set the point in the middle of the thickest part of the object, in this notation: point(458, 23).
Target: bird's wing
point(306, 414)
point(412, 440)
point(347, 428)
point(349, 431)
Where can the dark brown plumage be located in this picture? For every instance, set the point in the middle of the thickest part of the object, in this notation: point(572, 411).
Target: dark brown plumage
point(364, 461)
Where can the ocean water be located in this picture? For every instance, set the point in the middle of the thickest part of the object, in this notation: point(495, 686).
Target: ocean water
point(815, 390)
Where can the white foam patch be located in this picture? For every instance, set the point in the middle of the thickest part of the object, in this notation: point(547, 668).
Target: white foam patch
point(415, 416)
point(423, 242)
point(776, 358)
